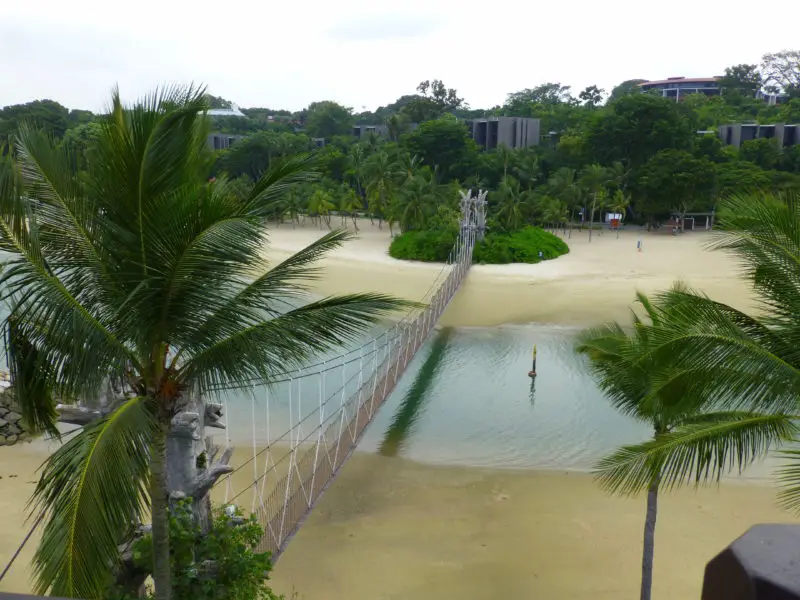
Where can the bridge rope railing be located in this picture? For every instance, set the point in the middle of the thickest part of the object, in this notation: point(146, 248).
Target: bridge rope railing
point(290, 471)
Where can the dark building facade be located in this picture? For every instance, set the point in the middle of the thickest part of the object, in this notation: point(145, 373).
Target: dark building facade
point(513, 132)
point(784, 134)
point(222, 141)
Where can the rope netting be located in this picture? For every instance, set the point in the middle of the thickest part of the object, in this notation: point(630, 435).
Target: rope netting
point(321, 411)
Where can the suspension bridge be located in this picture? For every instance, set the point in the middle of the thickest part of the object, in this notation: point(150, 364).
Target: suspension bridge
point(322, 410)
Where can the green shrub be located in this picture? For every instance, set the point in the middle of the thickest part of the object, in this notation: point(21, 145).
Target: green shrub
point(430, 245)
point(222, 564)
point(521, 246)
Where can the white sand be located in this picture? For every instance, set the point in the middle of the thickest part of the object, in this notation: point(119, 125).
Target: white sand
point(390, 528)
point(595, 282)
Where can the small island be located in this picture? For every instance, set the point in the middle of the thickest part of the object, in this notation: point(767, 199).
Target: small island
point(521, 246)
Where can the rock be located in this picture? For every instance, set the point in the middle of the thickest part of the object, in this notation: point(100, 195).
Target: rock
point(3, 423)
point(2, 440)
point(13, 417)
point(4, 411)
point(22, 437)
point(11, 440)
point(14, 428)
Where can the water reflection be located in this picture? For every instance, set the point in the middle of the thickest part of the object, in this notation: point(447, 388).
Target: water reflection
point(410, 408)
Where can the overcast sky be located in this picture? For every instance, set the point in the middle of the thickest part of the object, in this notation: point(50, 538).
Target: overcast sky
point(367, 53)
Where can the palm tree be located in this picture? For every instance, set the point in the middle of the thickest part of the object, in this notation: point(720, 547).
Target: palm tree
point(620, 202)
point(564, 186)
point(511, 203)
point(293, 206)
point(321, 204)
point(418, 198)
point(380, 173)
point(349, 205)
point(595, 178)
point(729, 357)
point(355, 167)
point(143, 272)
point(691, 443)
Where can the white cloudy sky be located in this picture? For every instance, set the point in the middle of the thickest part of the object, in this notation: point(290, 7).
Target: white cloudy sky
point(285, 54)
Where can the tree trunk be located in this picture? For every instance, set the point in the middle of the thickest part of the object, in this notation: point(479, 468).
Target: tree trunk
point(160, 515)
point(649, 541)
point(591, 221)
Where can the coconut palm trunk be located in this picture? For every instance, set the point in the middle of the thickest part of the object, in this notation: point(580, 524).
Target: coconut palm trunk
point(649, 542)
point(144, 272)
point(159, 510)
point(692, 444)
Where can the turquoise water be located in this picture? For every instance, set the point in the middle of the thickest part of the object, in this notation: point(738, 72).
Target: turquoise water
point(466, 399)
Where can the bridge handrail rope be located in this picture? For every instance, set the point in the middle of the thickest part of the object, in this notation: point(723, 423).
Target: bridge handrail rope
point(303, 371)
point(311, 460)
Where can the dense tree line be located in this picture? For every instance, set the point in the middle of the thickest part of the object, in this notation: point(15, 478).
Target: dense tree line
point(626, 152)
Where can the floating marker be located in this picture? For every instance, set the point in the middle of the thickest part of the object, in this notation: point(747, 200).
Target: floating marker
point(532, 372)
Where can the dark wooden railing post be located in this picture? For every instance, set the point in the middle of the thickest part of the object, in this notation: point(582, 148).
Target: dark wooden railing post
point(763, 564)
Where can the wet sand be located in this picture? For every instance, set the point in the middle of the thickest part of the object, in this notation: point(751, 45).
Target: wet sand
point(391, 528)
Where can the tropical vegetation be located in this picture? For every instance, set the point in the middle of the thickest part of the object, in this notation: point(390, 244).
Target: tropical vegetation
point(695, 440)
point(140, 271)
point(623, 152)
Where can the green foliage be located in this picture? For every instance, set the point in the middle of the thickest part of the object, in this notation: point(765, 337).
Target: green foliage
point(674, 180)
point(444, 145)
point(723, 358)
point(636, 128)
point(326, 119)
point(143, 271)
point(630, 86)
point(220, 564)
point(763, 152)
point(523, 246)
point(744, 80)
point(429, 245)
point(253, 155)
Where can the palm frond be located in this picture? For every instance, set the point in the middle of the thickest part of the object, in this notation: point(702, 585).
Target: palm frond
point(700, 450)
point(265, 297)
point(789, 479)
point(91, 491)
point(763, 230)
point(702, 340)
point(257, 352)
point(277, 181)
point(33, 379)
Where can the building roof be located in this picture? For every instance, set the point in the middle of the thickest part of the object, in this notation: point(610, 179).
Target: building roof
point(225, 112)
point(681, 80)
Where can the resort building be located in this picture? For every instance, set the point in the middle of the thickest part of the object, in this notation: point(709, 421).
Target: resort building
point(513, 132)
point(784, 134)
point(680, 87)
point(360, 131)
point(222, 141)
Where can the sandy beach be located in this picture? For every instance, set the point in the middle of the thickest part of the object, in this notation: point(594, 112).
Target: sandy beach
point(595, 282)
point(391, 528)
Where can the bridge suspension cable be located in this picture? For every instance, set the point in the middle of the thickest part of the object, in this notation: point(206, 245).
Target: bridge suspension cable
point(320, 425)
